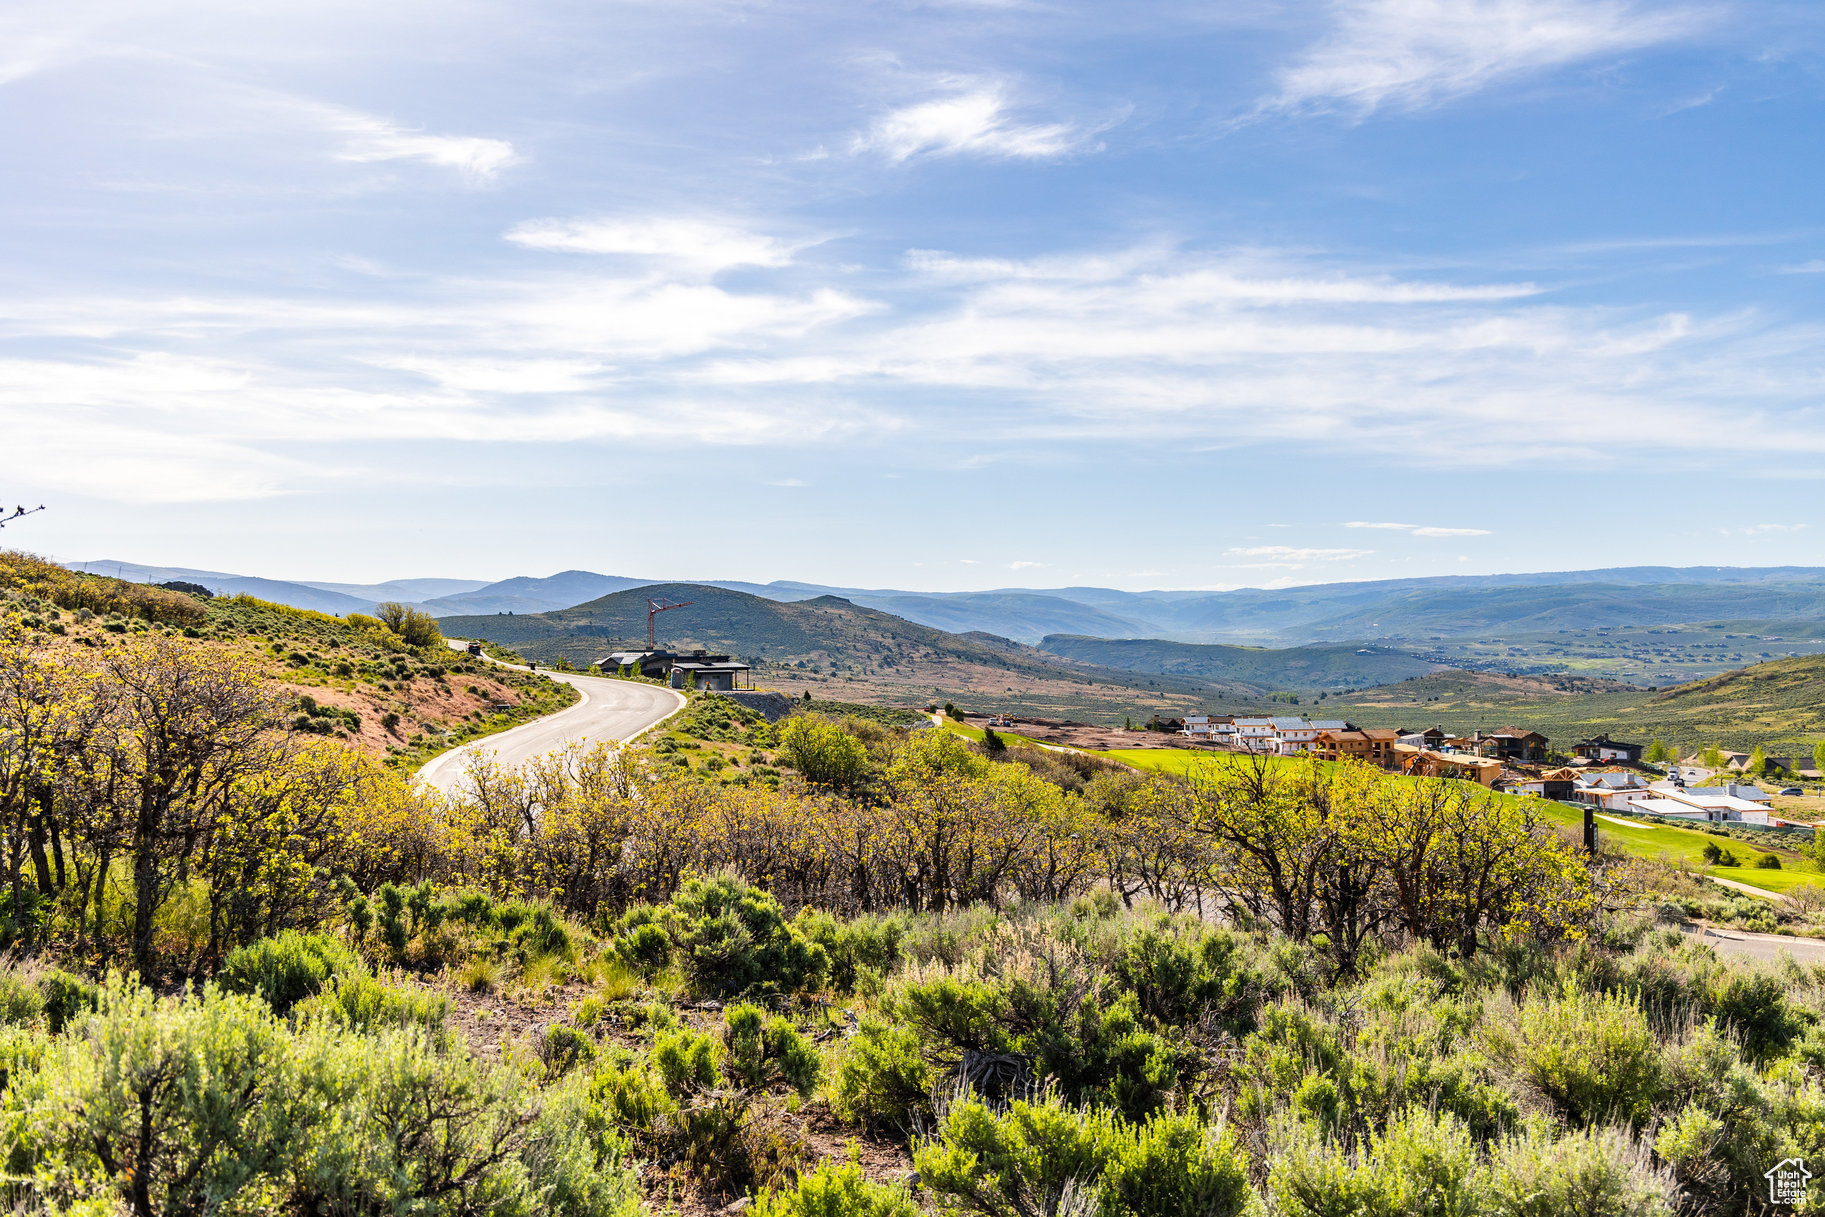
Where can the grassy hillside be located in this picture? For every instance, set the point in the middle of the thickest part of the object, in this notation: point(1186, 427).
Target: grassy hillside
point(349, 679)
point(1296, 668)
point(1779, 705)
point(843, 651)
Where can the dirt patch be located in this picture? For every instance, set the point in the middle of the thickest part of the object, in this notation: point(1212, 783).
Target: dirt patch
point(1069, 734)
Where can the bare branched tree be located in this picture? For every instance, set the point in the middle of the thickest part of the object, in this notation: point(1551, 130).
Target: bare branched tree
point(17, 513)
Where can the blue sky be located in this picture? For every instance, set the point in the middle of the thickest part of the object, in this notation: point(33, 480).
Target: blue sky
point(936, 295)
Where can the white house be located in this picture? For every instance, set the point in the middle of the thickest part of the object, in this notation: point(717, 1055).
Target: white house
point(1719, 804)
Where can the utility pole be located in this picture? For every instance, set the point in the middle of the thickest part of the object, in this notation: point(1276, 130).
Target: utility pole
point(653, 609)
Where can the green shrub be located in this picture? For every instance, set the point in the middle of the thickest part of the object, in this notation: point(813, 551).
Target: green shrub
point(535, 930)
point(1768, 862)
point(642, 939)
point(562, 1048)
point(1177, 978)
point(733, 939)
point(21, 1001)
point(836, 1190)
point(418, 1128)
point(633, 1098)
point(576, 1159)
point(1034, 1156)
point(364, 1003)
point(1592, 1172)
point(823, 752)
point(884, 1075)
point(1421, 1165)
point(685, 1060)
point(175, 1106)
point(1593, 1056)
point(860, 951)
point(763, 1049)
point(66, 998)
point(289, 968)
point(1754, 1007)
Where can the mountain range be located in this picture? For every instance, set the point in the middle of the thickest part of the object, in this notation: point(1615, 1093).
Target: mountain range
point(1407, 612)
point(835, 649)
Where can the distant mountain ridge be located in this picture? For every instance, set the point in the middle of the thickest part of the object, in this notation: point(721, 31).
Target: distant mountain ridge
point(1332, 668)
point(843, 650)
point(1399, 611)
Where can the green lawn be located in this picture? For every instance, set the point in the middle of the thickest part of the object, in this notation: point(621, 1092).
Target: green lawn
point(1181, 760)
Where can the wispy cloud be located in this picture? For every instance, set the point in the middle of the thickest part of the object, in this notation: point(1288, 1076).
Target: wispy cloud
point(1410, 54)
point(1293, 553)
point(1421, 530)
point(1154, 346)
point(1023, 565)
point(970, 118)
point(478, 159)
point(708, 245)
point(1814, 267)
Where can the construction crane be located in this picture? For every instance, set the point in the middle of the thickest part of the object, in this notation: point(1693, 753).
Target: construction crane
point(653, 609)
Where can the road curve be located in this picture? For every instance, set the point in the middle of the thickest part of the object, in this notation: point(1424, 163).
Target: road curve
point(1764, 947)
point(609, 710)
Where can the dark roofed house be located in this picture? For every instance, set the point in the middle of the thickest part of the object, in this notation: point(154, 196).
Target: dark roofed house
point(1603, 748)
point(1511, 744)
point(699, 669)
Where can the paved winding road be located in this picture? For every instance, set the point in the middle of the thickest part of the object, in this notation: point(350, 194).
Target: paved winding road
point(610, 710)
point(1765, 947)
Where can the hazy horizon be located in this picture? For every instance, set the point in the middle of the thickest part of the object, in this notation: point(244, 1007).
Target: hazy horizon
point(707, 580)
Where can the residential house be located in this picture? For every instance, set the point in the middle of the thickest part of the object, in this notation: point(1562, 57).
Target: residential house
point(1374, 745)
point(1510, 744)
point(1611, 789)
point(1209, 728)
point(699, 669)
point(1603, 748)
point(1559, 784)
point(1298, 736)
point(1426, 763)
point(1432, 737)
point(1729, 803)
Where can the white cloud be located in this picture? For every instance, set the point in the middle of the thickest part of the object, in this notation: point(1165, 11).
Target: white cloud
point(1023, 565)
point(970, 118)
point(1814, 267)
point(707, 245)
point(1421, 530)
point(1409, 54)
point(1291, 553)
point(1153, 346)
point(368, 139)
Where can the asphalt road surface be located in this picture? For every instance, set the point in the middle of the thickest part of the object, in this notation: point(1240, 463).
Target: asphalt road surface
point(1766, 947)
point(610, 710)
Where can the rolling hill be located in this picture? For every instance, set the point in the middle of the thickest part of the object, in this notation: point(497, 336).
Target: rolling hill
point(1779, 705)
point(528, 595)
point(1657, 626)
point(1290, 669)
point(844, 651)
